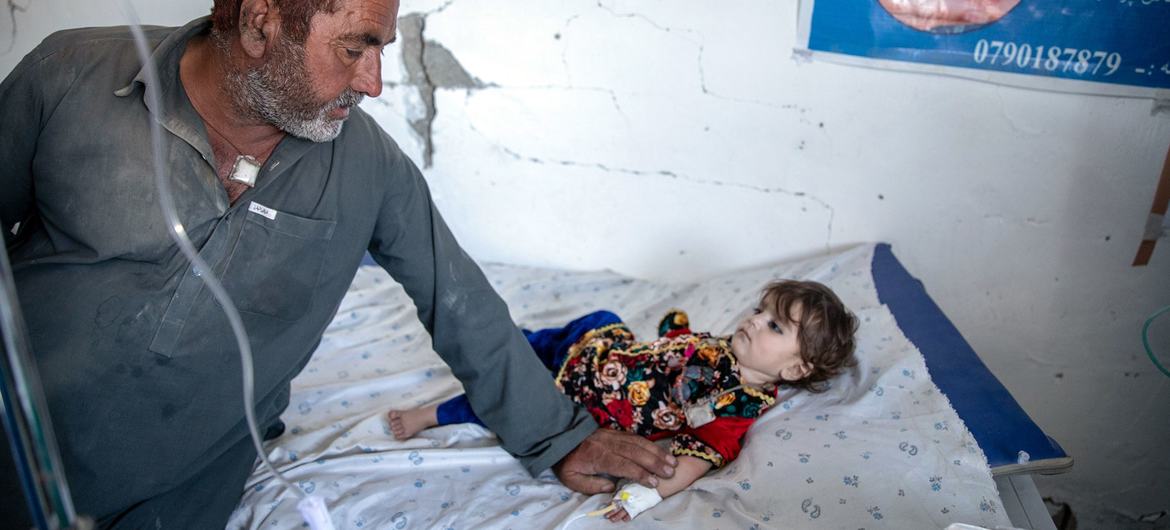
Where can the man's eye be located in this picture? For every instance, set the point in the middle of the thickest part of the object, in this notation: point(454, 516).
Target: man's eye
point(775, 327)
point(353, 53)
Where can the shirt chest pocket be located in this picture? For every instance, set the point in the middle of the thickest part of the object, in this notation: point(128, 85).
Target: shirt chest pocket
point(275, 264)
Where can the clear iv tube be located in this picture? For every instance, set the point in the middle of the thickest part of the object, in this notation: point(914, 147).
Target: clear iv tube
point(35, 454)
point(179, 234)
point(1146, 339)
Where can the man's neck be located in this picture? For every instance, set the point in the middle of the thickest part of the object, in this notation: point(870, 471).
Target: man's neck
point(202, 72)
point(232, 136)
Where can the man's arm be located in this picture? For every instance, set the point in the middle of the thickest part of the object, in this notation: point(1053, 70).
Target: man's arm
point(21, 109)
point(471, 329)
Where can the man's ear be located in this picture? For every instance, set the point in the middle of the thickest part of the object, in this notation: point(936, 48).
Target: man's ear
point(259, 26)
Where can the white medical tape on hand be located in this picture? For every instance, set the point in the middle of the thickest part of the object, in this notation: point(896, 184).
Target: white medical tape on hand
point(314, 512)
point(636, 498)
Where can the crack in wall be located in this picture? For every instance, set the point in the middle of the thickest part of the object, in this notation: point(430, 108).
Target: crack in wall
point(1030, 220)
point(439, 9)
point(411, 27)
point(429, 67)
point(611, 92)
point(13, 7)
point(645, 18)
point(698, 42)
point(612, 96)
point(569, 74)
point(673, 175)
point(565, 49)
point(1012, 121)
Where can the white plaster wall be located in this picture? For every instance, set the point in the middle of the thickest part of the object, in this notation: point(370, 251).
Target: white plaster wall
point(668, 140)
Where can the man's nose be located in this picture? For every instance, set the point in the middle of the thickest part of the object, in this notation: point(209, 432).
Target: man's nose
point(368, 78)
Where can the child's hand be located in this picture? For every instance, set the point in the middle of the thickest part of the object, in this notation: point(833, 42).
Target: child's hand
point(632, 500)
point(618, 516)
point(635, 498)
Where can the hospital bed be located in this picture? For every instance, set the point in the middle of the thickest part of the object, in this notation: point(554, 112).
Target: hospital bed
point(919, 435)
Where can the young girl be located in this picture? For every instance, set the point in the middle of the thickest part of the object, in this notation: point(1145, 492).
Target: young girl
point(701, 391)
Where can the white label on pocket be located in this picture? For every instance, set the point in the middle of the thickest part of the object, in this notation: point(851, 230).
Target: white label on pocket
point(256, 207)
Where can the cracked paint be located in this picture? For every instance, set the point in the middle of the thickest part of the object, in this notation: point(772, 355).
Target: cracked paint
point(698, 41)
point(674, 175)
point(1015, 123)
point(429, 67)
point(564, 49)
point(411, 29)
point(13, 7)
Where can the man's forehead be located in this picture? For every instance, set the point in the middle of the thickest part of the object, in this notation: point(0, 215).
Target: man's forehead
point(371, 22)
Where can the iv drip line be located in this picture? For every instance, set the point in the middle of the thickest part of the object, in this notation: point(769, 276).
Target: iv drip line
point(312, 508)
point(1146, 339)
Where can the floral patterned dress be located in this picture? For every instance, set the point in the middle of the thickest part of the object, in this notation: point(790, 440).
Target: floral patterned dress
point(645, 387)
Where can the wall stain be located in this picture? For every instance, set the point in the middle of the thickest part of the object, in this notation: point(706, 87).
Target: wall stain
point(13, 7)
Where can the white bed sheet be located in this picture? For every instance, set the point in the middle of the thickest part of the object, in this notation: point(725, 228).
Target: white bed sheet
point(881, 449)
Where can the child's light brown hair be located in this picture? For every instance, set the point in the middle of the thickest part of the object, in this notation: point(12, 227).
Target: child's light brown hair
point(825, 328)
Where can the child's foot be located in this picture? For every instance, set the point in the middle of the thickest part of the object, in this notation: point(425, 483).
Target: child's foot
point(404, 424)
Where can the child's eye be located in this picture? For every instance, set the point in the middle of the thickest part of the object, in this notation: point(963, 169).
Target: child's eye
point(757, 311)
point(775, 327)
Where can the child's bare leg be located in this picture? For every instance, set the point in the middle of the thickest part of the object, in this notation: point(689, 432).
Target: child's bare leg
point(404, 424)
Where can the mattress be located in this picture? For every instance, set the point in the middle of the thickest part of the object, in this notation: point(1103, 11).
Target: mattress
point(883, 447)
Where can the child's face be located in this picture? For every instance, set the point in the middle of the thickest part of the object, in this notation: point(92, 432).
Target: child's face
point(768, 348)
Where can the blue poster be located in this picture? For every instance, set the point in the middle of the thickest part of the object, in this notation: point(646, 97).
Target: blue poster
point(1105, 43)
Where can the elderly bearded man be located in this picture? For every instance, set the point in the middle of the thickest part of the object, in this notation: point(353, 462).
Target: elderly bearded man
point(137, 359)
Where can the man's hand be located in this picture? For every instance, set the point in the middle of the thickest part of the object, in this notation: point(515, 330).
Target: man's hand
point(616, 454)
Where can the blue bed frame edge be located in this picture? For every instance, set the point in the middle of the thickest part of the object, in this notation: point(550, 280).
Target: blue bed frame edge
point(997, 422)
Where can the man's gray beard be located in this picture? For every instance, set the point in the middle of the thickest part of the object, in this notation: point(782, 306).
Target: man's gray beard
point(278, 93)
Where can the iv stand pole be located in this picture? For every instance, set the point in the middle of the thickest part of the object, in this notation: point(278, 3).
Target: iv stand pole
point(26, 420)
